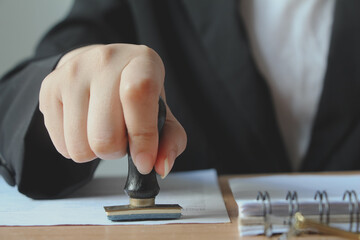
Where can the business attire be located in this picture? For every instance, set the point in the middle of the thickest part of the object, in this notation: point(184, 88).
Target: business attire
point(213, 87)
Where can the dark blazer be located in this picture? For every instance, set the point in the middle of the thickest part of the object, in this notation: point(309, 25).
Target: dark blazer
point(212, 85)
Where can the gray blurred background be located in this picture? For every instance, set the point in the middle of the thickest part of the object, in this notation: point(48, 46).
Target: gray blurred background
point(22, 24)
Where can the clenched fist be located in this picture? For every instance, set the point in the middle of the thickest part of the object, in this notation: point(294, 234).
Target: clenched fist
point(100, 98)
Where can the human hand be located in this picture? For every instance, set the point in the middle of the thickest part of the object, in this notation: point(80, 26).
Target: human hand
point(100, 98)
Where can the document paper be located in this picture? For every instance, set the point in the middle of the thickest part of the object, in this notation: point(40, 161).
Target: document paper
point(196, 191)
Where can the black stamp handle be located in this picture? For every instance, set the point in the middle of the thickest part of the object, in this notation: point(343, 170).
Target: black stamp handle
point(141, 186)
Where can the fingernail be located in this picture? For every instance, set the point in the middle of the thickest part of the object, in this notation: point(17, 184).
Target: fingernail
point(143, 163)
point(167, 166)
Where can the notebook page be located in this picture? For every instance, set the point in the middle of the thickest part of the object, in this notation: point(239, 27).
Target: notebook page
point(245, 191)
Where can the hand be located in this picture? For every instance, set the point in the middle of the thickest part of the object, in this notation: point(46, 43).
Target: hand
point(102, 97)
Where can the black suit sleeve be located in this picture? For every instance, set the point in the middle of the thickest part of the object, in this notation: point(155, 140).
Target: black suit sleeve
point(27, 156)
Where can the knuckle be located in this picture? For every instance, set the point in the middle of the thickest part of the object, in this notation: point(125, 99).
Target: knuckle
point(71, 69)
point(145, 50)
point(182, 134)
point(182, 130)
point(144, 135)
point(140, 89)
point(104, 55)
point(45, 95)
point(185, 139)
point(105, 145)
point(151, 55)
point(42, 105)
point(45, 84)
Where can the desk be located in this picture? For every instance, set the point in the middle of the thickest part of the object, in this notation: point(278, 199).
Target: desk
point(171, 231)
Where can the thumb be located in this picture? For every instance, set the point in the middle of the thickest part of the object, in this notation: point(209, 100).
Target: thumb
point(172, 143)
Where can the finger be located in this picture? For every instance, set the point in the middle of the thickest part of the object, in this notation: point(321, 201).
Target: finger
point(172, 143)
point(140, 87)
point(52, 109)
point(75, 105)
point(106, 126)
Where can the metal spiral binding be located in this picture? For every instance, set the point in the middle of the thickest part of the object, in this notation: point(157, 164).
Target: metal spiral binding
point(267, 210)
point(353, 208)
point(323, 206)
point(324, 209)
point(293, 207)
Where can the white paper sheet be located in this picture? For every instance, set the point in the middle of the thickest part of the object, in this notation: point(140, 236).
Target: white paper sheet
point(197, 192)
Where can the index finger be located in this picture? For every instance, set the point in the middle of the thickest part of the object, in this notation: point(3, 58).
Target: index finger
point(140, 87)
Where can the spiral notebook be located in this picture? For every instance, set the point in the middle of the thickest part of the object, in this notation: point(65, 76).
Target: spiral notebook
point(336, 200)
